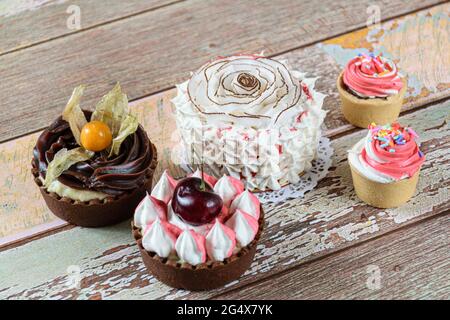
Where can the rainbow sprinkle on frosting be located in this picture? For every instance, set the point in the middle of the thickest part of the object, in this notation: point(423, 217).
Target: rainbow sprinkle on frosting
point(390, 135)
point(374, 65)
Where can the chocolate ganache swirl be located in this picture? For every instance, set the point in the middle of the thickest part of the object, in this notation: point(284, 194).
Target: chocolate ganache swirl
point(114, 176)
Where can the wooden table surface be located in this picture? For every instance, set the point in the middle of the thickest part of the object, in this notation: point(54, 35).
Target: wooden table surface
point(326, 245)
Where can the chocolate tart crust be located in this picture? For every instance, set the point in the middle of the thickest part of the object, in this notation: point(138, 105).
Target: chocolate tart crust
point(205, 276)
point(98, 213)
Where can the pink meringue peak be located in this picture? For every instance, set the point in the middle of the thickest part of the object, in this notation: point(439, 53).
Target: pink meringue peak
point(228, 188)
point(372, 76)
point(220, 242)
point(163, 190)
point(148, 210)
point(248, 203)
point(159, 238)
point(244, 226)
point(191, 248)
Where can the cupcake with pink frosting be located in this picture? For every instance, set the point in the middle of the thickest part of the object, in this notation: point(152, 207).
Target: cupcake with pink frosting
point(385, 165)
point(371, 90)
point(198, 233)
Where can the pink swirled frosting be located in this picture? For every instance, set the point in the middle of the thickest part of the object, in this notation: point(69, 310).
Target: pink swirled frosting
point(388, 153)
point(371, 76)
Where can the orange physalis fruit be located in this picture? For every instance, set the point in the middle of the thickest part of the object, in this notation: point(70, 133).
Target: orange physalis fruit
point(95, 136)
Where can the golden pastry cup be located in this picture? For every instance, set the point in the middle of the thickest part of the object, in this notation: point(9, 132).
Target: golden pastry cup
point(362, 112)
point(384, 195)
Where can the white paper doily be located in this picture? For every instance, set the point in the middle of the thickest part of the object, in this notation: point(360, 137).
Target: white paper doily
point(308, 180)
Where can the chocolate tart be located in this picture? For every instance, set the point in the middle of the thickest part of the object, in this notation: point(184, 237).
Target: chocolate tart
point(124, 189)
point(205, 276)
point(97, 213)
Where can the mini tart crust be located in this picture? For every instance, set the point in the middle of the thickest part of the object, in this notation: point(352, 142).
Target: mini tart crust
point(384, 195)
point(362, 112)
point(97, 213)
point(205, 276)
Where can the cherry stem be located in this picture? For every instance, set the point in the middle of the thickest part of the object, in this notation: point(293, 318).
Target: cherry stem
point(202, 185)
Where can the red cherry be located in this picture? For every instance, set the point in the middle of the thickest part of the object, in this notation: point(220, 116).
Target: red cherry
point(195, 201)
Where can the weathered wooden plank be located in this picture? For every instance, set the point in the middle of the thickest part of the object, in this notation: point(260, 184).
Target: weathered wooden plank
point(25, 23)
point(419, 43)
point(411, 263)
point(155, 111)
point(327, 219)
point(155, 50)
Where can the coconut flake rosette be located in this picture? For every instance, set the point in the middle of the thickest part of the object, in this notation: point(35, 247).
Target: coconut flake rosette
point(251, 117)
point(371, 90)
point(198, 233)
point(385, 165)
point(93, 168)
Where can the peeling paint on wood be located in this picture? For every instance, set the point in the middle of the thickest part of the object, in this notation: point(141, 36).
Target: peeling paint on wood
point(10, 8)
point(147, 54)
point(18, 214)
point(328, 219)
point(418, 43)
point(411, 263)
point(297, 231)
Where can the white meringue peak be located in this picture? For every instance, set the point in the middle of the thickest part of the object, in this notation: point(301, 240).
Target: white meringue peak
point(148, 210)
point(220, 242)
point(163, 190)
point(248, 203)
point(190, 247)
point(159, 238)
point(209, 179)
point(228, 188)
point(244, 226)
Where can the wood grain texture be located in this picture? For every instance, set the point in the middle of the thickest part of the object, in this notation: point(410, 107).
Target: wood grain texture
point(27, 22)
point(324, 61)
point(412, 41)
point(418, 43)
point(146, 53)
point(327, 219)
point(412, 263)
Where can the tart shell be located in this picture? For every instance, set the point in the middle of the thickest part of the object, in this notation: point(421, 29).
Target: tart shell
point(384, 195)
point(362, 112)
point(205, 276)
point(97, 213)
